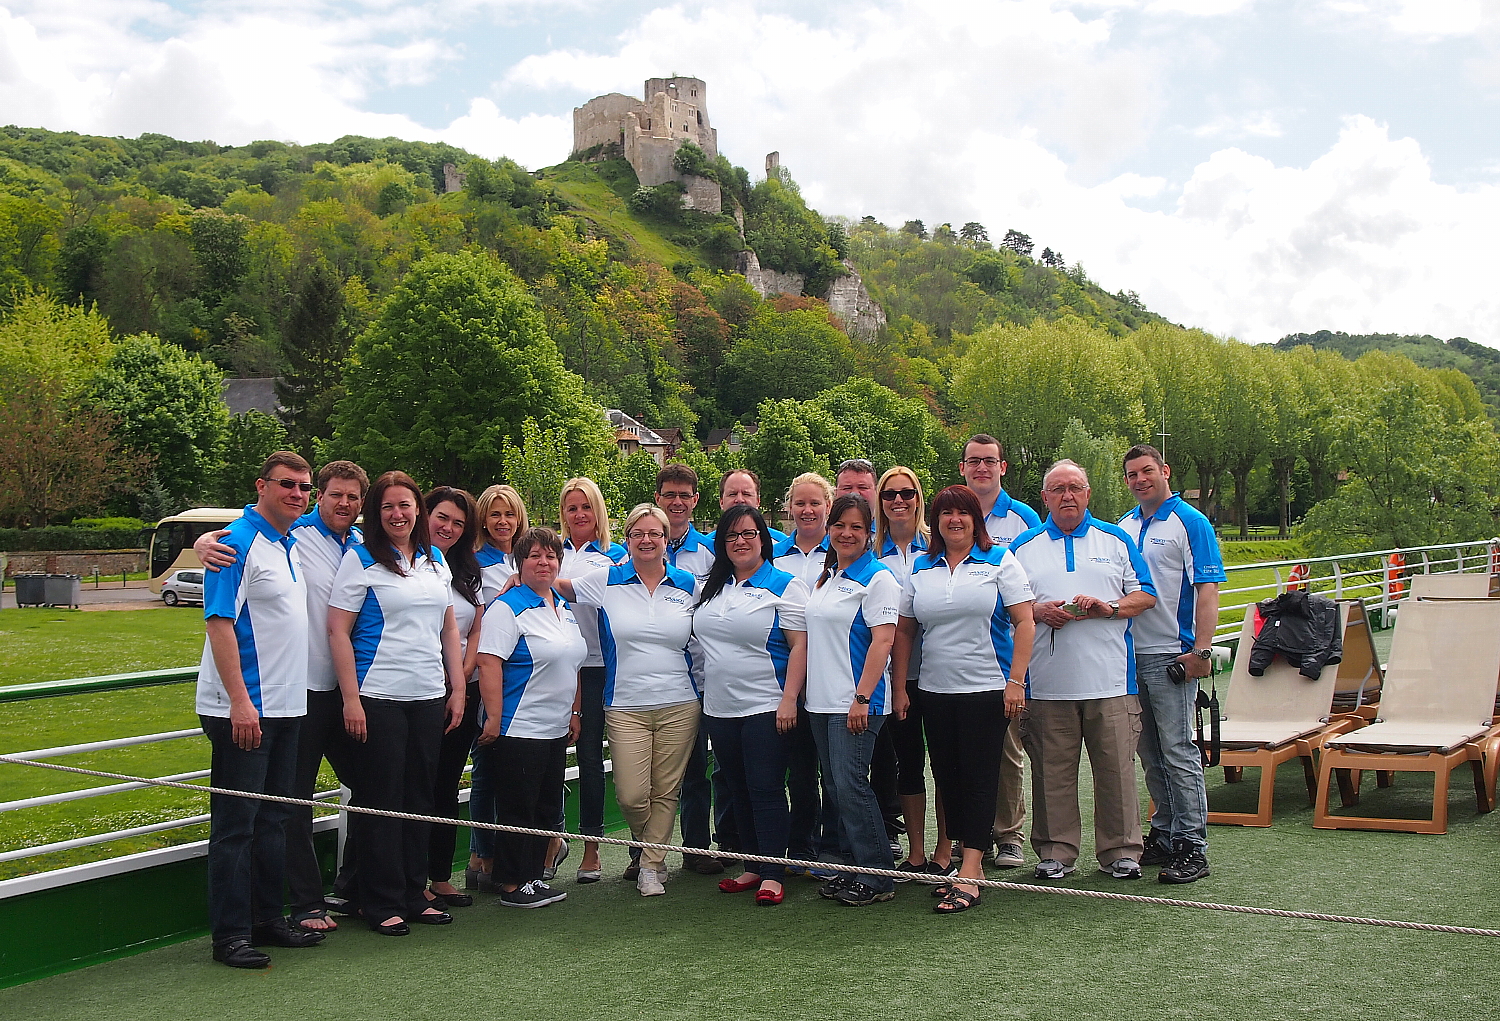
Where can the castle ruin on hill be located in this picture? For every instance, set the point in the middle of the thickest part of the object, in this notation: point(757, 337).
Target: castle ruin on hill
point(648, 134)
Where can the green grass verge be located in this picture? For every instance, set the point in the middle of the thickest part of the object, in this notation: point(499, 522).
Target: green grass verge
point(596, 200)
point(49, 645)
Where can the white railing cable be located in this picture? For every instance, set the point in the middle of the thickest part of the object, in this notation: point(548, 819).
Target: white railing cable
point(100, 746)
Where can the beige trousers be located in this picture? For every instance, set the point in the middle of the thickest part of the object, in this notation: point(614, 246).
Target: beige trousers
point(1055, 733)
point(1010, 806)
point(649, 749)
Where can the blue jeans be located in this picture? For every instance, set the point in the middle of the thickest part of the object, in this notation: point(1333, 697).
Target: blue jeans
point(1174, 767)
point(752, 758)
point(247, 838)
point(845, 758)
point(706, 793)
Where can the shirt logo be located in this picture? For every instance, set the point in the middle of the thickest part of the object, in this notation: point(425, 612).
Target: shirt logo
point(848, 590)
point(1159, 542)
point(1100, 560)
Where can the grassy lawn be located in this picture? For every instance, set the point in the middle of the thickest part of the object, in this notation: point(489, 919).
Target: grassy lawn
point(48, 645)
point(581, 185)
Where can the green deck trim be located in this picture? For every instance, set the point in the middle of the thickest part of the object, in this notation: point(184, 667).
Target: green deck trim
point(93, 685)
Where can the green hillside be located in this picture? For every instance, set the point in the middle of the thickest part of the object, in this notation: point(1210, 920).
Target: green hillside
point(1478, 362)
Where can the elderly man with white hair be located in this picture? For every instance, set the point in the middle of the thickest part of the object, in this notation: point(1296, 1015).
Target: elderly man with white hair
point(1089, 580)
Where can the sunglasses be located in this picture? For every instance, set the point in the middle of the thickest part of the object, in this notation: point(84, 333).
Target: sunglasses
point(891, 495)
point(306, 487)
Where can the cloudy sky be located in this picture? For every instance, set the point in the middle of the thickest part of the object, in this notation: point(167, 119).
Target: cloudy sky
point(1253, 167)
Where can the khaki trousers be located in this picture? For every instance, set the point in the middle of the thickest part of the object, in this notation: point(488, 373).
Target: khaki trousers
point(650, 749)
point(1010, 805)
point(1055, 733)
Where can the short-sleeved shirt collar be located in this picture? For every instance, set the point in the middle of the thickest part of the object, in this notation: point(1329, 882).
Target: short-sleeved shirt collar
point(1055, 531)
point(1163, 512)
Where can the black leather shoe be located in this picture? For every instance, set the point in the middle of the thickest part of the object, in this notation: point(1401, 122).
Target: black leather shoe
point(238, 953)
point(394, 929)
point(452, 900)
point(431, 917)
point(280, 934)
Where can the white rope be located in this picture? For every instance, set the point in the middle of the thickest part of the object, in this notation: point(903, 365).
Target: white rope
point(1315, 916)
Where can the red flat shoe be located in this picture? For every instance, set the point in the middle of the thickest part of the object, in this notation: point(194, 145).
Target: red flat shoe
point(769, 898)
point(731, 885)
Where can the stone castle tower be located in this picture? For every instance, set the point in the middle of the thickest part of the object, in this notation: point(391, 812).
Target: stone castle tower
point(648, 133)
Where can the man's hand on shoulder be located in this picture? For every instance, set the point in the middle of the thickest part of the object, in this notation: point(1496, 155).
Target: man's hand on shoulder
point(212, 553)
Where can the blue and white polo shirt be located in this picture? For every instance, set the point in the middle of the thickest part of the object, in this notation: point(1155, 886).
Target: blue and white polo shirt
point(742, 635)
point(900, 563)
point(807, 567)
point(398, 630)
point(581, 560)
point(643, 635)
point(321, 551)
point(541, 649)
point(695, 554)
point(1008, 518)
point(840, 614)
point(1091, 658)
point(265, 594)
point(495, 568)
point(964, 617)
point(1180, 547)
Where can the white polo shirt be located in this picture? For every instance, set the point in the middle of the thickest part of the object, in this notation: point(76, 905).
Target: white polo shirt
point(643, 635)
point(840, 614)
point(695, 555)
point(321, 552)
point(964, 618)
point(804, 566)
point(1179, 545)
point(464, 613)
point(265, 594)
point(398, 633)
point(542, 650)
point(1008, 518)
point(1086, 658)
point(900, 563)
point(495, 568)
point(578, 561)
point(741, 633)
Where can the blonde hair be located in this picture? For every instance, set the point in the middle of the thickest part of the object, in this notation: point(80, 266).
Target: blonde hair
point(507, 496)
point(881, 529)
point(646, 510)
point(589, 488)
point(805, 479)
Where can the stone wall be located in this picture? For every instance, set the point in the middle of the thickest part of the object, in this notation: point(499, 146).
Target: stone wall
point(80, 562)
point(703, 195)
point(601, 119)
point(848, 299)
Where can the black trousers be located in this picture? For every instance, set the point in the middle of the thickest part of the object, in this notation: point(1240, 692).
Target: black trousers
point(528, 788)
point(966, 739)
point(322, 735)
point(911, 748)
point(883, 778)
point(453, 755)
point(396, 765)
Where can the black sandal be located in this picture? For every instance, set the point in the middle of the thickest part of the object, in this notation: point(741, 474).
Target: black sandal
point(316, 914)
point(941, 889)
point(956, 900)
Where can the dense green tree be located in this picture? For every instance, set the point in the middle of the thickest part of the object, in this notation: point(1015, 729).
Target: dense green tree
point(315, 343)
point(788, 236)
point(634, 480)
point(780, 450)
point(1102, 458)
point(1247, 417)
point(1190, 394)
point(458, 359)
point(42, 339)
point(170, 406)
point(248, 440)
point(784, 354)
point(536, 466)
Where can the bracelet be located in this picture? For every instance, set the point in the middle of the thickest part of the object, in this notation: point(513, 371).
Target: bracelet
point(577, 713)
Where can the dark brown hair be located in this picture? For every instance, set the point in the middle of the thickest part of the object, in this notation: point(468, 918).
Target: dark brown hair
point(460, 556)
point(376, 541)
point(965, 501)
point(1142, 450)
point(344, 470)
point(724, 479)
point(532, 538)
point(676, 472)
point(285, 459)
point(984, 440)
point(842, 504)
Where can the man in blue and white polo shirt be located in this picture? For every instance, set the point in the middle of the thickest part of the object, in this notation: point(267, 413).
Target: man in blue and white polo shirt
point(1089, 580)
point(1180, 547)
point(252, 694)
point(983, 468)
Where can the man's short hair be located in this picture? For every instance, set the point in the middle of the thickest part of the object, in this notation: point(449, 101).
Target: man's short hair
point(857, 465)
point(1065, 463)
point(676, 472)
point(1142, 450)
point(285, 459)
point(344, 470)
point(984, 440)
point(724, 479)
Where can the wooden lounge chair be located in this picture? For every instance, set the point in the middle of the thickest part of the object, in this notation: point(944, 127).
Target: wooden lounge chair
point(1357, 692)
point(1270, 719)
point(1436, 711)
point(1451, 586)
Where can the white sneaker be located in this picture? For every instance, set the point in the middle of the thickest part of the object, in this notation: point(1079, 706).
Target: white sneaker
point(649, 883)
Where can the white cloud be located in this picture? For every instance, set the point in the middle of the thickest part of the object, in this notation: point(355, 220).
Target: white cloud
point(1252, 124)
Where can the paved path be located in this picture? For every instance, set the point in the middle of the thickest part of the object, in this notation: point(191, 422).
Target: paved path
point(108, 596)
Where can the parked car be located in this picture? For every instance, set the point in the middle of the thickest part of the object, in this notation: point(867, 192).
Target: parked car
point(183, 587)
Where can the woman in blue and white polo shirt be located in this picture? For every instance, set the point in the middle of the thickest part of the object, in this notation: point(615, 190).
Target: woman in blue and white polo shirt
point(750, 629)
point(530, 650)
point(644, 610)
point(851, 623)
point(587, 547)
point(397, 654)
point(973, 603)
point(502, 518)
